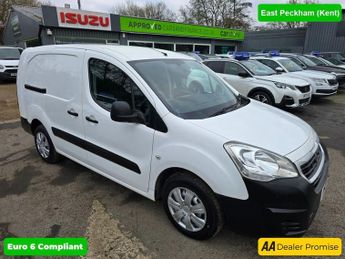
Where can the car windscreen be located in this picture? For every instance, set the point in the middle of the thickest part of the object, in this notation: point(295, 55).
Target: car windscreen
point(307, 61)
point(316, 61)
point(334, 61)
point(289, 65)
point(9, 53)
point(187, 88)
point(257, 68)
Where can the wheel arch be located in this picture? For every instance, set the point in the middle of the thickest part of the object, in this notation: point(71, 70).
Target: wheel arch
point(262, 89)
point(163, 176)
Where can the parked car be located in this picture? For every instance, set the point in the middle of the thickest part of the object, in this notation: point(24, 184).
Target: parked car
point(198, 56)
point(336, 55)
point(333, 61)
point(311, 63)
point(322, 83)
point(253, 79)
point(128, 114)
point(9, 59)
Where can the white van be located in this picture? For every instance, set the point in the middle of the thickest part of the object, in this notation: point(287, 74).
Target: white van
point(9, 59)
point(255, 80)
point(127, 114)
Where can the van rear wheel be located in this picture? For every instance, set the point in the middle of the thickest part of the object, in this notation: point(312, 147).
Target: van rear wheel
point(44, 146)
point(192, 207)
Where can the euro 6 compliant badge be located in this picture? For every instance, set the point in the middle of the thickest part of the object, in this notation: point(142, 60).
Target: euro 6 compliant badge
point(300, 246)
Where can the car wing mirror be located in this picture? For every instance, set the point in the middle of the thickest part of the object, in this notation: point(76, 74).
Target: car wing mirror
point(279, 70)
point(122, 112)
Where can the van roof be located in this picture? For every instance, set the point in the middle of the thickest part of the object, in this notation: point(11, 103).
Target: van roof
point(125, 53)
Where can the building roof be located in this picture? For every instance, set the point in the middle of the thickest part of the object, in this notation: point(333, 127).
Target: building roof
point(35, 13)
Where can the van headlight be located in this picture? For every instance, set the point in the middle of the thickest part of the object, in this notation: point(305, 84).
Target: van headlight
point(284, 86)
point(2, 67)
point(260, 164)
point(319, 82)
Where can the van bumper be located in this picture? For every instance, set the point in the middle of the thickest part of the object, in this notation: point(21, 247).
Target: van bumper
point(8, 76)
point(284, 207)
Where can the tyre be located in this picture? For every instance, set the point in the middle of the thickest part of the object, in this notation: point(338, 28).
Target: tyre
point(263, 97)
point(44, 146)
point(192, 207)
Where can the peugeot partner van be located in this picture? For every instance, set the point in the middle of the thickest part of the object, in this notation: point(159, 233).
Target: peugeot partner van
point(128, 114)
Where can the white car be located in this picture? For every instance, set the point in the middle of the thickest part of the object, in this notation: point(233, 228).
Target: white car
point(9, 59)
point(332, 62)
point(253, 79)
point(322, 83)
point(128, 114)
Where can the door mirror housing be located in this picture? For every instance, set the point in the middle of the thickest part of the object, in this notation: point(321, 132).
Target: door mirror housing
point(279, 70)
point(243, 74)
point(121, 111)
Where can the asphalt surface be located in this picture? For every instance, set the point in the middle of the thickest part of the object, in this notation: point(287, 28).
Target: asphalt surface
point(68, 200)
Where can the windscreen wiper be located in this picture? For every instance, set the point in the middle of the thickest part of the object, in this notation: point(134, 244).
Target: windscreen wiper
point(225, 109)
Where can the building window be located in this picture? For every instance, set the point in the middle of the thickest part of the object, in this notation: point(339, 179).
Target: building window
point(166, 46)
point(218, 49)
point(184, 47)
point(72, 40)
point(32, 43)
point(140, 44)
point(112, 42)
point(202, 49)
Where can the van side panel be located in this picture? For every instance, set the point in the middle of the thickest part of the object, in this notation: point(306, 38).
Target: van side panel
point(53, 93)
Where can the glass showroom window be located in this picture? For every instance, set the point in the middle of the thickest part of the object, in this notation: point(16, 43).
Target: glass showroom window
point(202, 49)
point(141, 44)
point(184, 47)
point(223, 49)
point(167, 46)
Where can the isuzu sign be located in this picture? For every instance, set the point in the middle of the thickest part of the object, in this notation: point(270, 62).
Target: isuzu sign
point(71, 18)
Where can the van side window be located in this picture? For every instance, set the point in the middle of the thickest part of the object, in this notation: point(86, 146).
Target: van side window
point(109, 84)
point(233, 69)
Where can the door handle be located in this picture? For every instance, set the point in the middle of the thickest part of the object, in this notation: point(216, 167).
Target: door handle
point(91, 119)
point(72, 112)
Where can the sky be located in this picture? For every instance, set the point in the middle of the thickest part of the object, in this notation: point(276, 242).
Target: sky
point(108, 5)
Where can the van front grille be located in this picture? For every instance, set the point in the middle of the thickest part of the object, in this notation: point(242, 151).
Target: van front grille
point(310, 167)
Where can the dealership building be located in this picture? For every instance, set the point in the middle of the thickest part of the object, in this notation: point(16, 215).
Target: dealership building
point(34, 26)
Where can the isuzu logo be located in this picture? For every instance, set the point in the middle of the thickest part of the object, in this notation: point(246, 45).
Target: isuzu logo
point(83, 20)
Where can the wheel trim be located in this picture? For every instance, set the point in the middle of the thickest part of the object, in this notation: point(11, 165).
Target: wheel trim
point(42, 145)
point(261, 98)
point(187, 209)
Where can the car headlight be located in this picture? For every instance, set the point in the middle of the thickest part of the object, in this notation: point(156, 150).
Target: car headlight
point(284, 86)
point(259, 164)
point(2, 67)
point(319, 81)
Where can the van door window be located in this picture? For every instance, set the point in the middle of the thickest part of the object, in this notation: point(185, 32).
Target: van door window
point(109, 84)
point(233, 69)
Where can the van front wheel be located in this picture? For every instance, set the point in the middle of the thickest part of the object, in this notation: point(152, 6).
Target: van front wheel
point(192, 207)
point(44, 146)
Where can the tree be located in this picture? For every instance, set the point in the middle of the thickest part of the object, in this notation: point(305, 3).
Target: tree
point(222, 13)
point(5, 6)
point(150, 10)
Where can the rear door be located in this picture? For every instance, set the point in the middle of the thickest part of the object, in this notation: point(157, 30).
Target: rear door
point(119, 150)
point(59, 73)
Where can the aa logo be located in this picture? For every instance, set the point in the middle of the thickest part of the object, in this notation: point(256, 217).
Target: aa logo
point(269, 246)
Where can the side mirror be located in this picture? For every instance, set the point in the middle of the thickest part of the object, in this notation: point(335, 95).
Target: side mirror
point(122, 112)
point(243, 74)
point(279, 70)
